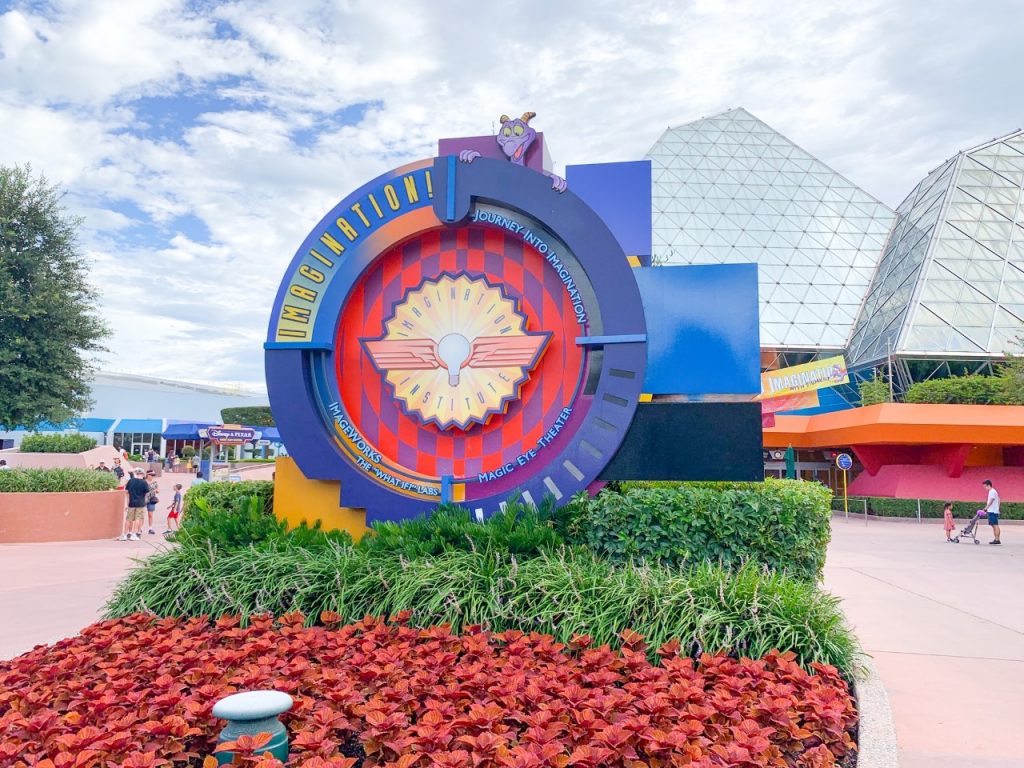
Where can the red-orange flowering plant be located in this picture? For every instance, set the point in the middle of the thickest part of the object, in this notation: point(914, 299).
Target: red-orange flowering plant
point(138, 693)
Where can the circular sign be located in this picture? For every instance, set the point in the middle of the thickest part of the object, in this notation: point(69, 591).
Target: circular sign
point(456, 332)
point(844, 461)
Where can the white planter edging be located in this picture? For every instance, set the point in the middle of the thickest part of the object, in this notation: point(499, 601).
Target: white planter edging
point(876, 732)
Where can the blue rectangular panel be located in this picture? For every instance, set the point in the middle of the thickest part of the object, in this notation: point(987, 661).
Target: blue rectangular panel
point(620, 193)
point(702, 329)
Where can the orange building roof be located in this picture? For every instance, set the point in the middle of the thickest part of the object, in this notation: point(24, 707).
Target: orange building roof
point(901, 424)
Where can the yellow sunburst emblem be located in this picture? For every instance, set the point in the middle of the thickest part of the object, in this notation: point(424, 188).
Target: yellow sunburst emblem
point(456, 351)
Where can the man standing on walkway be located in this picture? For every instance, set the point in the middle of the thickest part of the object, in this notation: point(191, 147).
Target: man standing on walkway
point(137, 489)
point(992, 508)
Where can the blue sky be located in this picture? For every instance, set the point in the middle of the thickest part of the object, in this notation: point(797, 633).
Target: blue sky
point(201, 141)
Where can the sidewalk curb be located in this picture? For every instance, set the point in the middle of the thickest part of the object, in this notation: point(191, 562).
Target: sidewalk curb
point(876, 731)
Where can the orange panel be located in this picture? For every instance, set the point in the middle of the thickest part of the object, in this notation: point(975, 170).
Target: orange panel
point(901, 424)
point(985, 456)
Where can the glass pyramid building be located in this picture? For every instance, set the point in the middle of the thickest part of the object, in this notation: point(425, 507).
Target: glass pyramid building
point(950, 283)
point(730, 189)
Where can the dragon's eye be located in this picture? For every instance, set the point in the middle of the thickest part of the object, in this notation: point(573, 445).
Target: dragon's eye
point(518, 129)
point(506, 131)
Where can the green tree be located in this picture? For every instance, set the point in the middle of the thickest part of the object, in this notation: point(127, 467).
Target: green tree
point(874, 390)
point(1011, 375)
point(250, 415)
point(48, 324)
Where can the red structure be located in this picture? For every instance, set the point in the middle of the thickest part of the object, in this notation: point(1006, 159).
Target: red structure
point(918, 451)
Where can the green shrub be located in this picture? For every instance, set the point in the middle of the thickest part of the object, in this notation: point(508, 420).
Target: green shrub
point(930, 508)
point(222, 496)
point(744, 612)
point(250, 415)
point(55, 480)
point(520, 529)
point(240, 515)
point(243, 522)
point(780, 524)
point(874, 390)
point(972, 389)
point(188, 452)
point(53, 443)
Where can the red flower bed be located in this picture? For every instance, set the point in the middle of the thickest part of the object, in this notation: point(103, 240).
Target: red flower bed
point(139, 692)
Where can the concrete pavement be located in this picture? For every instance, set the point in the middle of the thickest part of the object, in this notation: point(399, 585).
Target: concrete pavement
point(945, 626)
point(50, 591)
point(944, 623)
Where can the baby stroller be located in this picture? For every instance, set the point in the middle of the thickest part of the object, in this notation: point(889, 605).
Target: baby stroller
point(971, 529)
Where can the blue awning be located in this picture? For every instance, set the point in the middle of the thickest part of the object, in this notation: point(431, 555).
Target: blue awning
point(140, 425)
point(186, 430)
point(190, 431)
point(93, 425)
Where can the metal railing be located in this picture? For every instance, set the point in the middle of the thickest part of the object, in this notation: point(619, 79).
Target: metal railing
point(845, 511)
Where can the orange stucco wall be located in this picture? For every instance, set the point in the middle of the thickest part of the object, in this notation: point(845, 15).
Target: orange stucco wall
point(34, 517)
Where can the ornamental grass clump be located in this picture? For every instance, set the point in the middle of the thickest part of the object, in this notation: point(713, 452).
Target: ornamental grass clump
point(55, 481)
point(138, 692)
point(742, 612)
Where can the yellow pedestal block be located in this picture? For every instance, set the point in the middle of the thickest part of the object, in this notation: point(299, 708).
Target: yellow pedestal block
point(297, 498)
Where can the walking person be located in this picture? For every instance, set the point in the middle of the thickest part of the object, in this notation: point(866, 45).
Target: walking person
point(174, 510)
point(151, 498)
point(138, 490)
point(118, 471)
point(3, 464)
point(992, 508)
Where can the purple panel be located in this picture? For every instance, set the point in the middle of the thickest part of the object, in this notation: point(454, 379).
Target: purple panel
point(620, 193)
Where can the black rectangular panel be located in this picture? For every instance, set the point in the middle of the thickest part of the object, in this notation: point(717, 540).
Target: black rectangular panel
point(691, 441)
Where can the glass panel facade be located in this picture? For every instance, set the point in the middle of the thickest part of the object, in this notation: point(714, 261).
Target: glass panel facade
point(951, 280)
point(729, 189)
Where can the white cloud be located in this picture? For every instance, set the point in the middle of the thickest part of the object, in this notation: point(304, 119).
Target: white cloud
point(240, 146)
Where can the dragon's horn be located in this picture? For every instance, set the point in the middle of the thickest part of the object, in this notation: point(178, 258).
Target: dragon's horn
point(504, 118)
point(527, 116)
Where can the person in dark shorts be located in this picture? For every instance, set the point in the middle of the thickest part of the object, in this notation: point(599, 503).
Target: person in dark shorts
point(138, 490)
point(992, 509)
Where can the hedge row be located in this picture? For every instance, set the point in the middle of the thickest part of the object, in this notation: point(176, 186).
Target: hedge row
point(930, 508)
point(973, 389)
point(781, 524)
point(223, 496)
point(55, 480)
point(74, 443)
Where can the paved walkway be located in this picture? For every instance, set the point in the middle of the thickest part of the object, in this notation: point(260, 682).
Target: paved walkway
point(943, 622)
point(945, 626)
point(51, 591)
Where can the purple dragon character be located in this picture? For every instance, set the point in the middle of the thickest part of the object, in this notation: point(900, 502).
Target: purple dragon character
point(515, 137)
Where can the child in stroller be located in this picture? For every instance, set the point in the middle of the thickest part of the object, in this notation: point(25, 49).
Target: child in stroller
point(971, 529)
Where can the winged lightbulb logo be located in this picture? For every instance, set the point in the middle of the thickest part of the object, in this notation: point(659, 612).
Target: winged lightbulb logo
point(456, 351)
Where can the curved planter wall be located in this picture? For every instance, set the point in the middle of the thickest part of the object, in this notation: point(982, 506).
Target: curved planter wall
point(34, 517)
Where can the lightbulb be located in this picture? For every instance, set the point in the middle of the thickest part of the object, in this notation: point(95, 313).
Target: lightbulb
point(453, 350)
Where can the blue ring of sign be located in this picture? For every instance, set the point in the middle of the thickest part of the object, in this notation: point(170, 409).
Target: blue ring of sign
point(300, 342)
point(844, 461)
